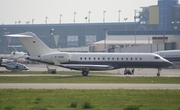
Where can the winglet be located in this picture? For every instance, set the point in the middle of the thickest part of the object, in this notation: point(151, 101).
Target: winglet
point(56, 62)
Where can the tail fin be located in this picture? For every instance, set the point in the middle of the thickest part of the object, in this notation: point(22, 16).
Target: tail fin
point(33, 44)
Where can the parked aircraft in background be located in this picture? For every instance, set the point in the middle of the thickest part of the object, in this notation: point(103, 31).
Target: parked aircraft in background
point(12, 65)
point(171, 55)
point(86, 62)
point(14, 55)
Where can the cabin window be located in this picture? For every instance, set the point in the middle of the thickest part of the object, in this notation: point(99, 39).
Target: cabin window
point(117, 58)
point(140, 58)
point(103, 58)
point(98, 58)
point(121, 58)
point(112, 58)
point(131, 58)
point(81, 58)
point(55, 56)
point(94, 58)
point(135, 58)
point(85, 58)
point(126, 58)
point(108, 58)
point(156, 57)
point(89, 58)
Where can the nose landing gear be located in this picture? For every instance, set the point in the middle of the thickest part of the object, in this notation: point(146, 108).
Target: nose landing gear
point(159, 70)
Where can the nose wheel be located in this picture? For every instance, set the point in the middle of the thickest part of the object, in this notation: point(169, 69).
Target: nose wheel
point(158, 74)
point(159, 70)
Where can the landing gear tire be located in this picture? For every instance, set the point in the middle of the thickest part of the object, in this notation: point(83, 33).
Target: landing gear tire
point(85, 73)
point(158, 74)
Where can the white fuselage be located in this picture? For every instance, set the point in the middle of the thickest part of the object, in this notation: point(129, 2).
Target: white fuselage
point(114, 60)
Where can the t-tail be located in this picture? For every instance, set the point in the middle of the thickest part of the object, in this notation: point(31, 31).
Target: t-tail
point(33, 44)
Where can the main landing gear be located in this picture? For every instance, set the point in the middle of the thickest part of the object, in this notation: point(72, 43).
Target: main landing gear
point(159, 70)
point(85, 73)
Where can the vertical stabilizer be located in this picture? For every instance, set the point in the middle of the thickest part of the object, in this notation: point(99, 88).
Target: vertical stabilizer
point(33, 44)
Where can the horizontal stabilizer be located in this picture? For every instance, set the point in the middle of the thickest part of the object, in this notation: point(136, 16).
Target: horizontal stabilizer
point(18, 35)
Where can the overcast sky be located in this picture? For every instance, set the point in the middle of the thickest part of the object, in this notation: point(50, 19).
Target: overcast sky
point(26, 10)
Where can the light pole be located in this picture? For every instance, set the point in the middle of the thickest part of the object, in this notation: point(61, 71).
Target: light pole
point(51, 34)
point(89, 16)
point(86, 19)
point(104, 16)
point(105, 35)
point(125, 22)
point(46, 19)
point(27, 22)
point(86, 26)
point(164, 26)
point(119, 15)
point(135, 11)
point(60, 18)
point(7, 39)
point(74, 17)
point(149, 42)
point(51, 31)
point(32, 21)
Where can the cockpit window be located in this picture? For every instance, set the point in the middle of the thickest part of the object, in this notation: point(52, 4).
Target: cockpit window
point(156, 57)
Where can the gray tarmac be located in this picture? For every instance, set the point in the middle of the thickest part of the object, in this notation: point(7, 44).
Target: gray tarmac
point(89, 86)
point(118, 72)
point(115, 73)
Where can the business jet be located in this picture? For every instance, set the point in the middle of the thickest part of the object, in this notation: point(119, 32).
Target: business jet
point(171, 55)
point(86, 62)
point(12, 65)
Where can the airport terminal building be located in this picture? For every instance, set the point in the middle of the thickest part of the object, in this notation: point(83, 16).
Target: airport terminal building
point(161, 23)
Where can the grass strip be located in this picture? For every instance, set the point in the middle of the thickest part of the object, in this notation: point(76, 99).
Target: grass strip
point(89, 79)
point(62, 99)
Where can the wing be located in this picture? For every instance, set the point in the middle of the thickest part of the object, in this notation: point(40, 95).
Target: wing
point(87, 66)
point(83, 66)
